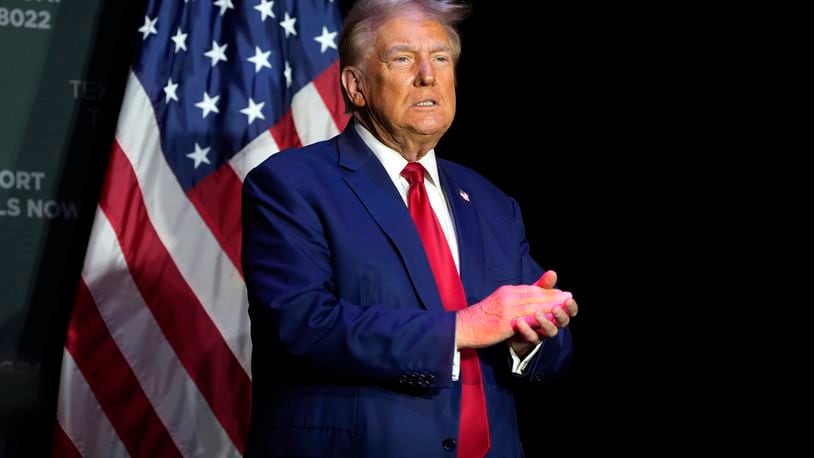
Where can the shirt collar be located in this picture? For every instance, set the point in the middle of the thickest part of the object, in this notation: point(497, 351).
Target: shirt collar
point(394, 162)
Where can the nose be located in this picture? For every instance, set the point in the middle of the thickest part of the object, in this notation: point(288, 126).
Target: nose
point(426, 73)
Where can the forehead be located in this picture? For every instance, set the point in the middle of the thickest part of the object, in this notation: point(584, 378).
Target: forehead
point(411, 28)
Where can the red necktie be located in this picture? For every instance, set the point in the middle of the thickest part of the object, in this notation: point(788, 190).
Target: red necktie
point(473, 437)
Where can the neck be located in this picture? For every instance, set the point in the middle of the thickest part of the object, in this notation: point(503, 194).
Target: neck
point(411, 147)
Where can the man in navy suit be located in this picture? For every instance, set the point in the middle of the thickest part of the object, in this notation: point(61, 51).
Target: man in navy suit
point(358, 351)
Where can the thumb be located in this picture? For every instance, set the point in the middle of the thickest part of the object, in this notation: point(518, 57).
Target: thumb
point(547, 280)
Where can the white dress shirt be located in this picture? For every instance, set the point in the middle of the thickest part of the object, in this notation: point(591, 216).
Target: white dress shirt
point(394, 163)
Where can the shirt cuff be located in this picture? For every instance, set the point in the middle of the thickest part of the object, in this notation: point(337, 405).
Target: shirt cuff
point(518, 366)
point(456, 366)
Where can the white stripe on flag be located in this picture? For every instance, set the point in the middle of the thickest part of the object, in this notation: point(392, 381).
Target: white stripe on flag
point(312, 118)
point(93, 433)
point(198, 255)
point(172, 393)
point(253, 154)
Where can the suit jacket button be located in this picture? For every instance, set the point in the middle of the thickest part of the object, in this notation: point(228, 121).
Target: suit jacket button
point(448, 444)
point(431, 378)
point(538, 378)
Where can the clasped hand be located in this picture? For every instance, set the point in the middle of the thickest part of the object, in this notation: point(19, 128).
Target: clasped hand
point(524, 313)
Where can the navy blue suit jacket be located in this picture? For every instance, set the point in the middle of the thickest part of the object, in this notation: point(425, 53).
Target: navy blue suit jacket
point(352, 347)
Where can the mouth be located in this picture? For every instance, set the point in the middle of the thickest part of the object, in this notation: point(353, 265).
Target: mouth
point(427, 103)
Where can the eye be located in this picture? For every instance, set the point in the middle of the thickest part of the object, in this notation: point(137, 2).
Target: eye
point(401, 59)
point(441, 59)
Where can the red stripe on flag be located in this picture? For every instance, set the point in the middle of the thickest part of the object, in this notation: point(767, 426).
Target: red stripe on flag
point(327, 85)
point(186, 325)
point(285, 132)
point(113, 382)
point(217, 198)
point(63, 446)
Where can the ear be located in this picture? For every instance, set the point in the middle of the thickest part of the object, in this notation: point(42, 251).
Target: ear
point(352, 82)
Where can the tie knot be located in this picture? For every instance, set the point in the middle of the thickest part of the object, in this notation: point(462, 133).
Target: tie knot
point(413, 173)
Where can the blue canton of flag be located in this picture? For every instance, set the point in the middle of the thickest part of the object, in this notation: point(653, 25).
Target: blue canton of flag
point(219, 75)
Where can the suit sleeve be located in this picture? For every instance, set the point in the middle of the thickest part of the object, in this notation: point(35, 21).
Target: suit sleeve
point(555, 353)
point(295, 311)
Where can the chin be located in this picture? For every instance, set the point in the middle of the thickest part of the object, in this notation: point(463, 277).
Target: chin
point(432, 128)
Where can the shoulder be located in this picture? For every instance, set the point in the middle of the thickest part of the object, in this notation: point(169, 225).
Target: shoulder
point(296, 164)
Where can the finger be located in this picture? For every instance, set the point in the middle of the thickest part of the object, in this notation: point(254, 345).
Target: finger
point(529, 301)
point(523, 329)
point(571, 307)
point(547, 328)
point(547, 280)
point(541, 316)
point(531, 291)
point(561, 316)
point(546, 303)
point(544, 295)
point(530, 321)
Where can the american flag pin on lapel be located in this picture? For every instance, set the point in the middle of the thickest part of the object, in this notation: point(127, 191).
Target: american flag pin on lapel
point(464, 195)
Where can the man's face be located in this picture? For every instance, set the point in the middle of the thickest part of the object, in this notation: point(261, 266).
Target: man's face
point(410, 78)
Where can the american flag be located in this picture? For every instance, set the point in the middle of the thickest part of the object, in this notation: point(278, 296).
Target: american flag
point(157, 358)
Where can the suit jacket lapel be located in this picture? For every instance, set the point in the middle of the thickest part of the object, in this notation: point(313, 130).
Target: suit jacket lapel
point(467, 228)
point(369, 181)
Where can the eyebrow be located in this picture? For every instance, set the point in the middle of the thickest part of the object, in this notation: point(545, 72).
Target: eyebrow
point(408, 48)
